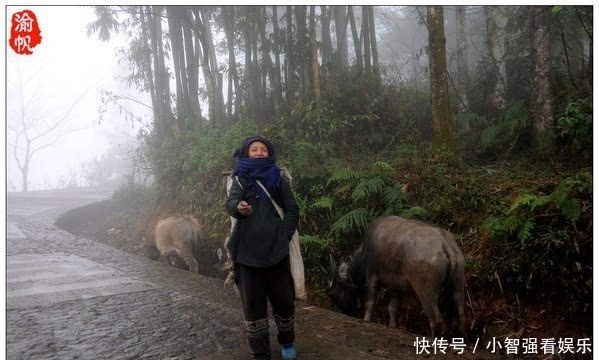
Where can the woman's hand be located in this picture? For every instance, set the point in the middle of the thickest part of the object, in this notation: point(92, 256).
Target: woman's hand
point(244, 208)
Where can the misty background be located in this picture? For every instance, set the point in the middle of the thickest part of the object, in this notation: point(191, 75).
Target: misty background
point(71, 78)
point(63, 81)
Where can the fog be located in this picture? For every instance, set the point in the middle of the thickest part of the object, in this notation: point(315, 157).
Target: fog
point(69, 69)
point(62, 81)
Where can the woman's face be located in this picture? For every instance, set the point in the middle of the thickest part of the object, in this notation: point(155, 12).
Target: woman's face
point(257, 149)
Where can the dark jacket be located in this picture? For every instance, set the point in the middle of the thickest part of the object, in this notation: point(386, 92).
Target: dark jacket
point(262, 238)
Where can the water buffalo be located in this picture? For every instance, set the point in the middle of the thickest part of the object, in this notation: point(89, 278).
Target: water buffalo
point(399, 254)
point(176, 238)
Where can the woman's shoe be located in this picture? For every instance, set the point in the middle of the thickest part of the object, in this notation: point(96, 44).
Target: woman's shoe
point(288, 352)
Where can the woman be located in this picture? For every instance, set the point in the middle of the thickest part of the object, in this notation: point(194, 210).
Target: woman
point(259, 245)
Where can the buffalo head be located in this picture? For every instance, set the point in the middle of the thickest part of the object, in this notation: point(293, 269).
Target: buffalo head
point(344, 293)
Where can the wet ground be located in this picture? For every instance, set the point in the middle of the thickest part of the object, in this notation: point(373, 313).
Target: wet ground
point(72, 297)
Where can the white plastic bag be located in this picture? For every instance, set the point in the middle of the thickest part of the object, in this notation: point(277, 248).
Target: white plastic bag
point(297, 267)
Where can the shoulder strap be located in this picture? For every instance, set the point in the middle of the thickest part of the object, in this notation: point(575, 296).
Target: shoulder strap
point(274, 203)
point(230, 183)
point(286, 175)
point(238, 182)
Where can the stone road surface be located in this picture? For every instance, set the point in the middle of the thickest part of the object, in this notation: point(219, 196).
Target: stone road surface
point(72, 298)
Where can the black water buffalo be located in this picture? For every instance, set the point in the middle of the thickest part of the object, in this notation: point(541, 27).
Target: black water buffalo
point(399, 254)
point(176, 238)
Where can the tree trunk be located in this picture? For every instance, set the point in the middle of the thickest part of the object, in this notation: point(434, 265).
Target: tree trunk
point(234, 95)
point(290, 59)
point(214, 76)
point(25, 173)
point(218, 76)
point(565, 48)
point(147, 67)
point(255, 79)
point(374, 49)
point(161, 76)
point(356, 38)
point(496, 24)
point(203, 55)
point(462, 59)
point(174, 15)
point(443, 141)
point(366, 39)
point(277, 87)
point(193, 60)
point(303, 48)
point(266, 112)
point(314, 54)
point(327, 43)
point(543, 138)
point(341, 33)
point(25, 166)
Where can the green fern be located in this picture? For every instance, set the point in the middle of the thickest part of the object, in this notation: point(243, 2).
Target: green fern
point(564, 197)
point(382, 167)
point(314, 241)
point(529, 203)
point(368, 187)
point(495, 227)
point(512, 223)
point(393, 195)
point(488, 136)
point(521, 215)
point(324, 202)
point(571, 209)
point(515, 117)
point(508, 126)
point(575, 128)
point(344, 175)
point(415, 212)
point(396, 201)
point(525, 230)
point(355, 220)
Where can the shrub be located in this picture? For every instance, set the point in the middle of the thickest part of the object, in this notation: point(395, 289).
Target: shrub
point(543, 247)
point(575, 129)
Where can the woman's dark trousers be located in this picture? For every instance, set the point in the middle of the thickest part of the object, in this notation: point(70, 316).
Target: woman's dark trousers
point(256, 285)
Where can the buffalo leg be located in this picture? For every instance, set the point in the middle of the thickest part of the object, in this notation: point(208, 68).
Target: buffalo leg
point(392, 308)
point(457, 297)
point(429, 298)
point(372, 286)
point(190, 261)
point(435, 320)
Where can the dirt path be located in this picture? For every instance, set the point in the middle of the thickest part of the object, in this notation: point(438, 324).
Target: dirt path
point(322, 334)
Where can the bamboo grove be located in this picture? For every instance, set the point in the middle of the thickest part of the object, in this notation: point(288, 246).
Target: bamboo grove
point(281, 58)
point(258, 62)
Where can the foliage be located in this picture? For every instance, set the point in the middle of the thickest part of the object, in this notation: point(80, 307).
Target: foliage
point(131, 200)
point(541, 235)
point(575, 128)
point(324, 127)
point(502, 136)
point(315, 251)
point(527, 208)
point(131, 194)
point(356, 197)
